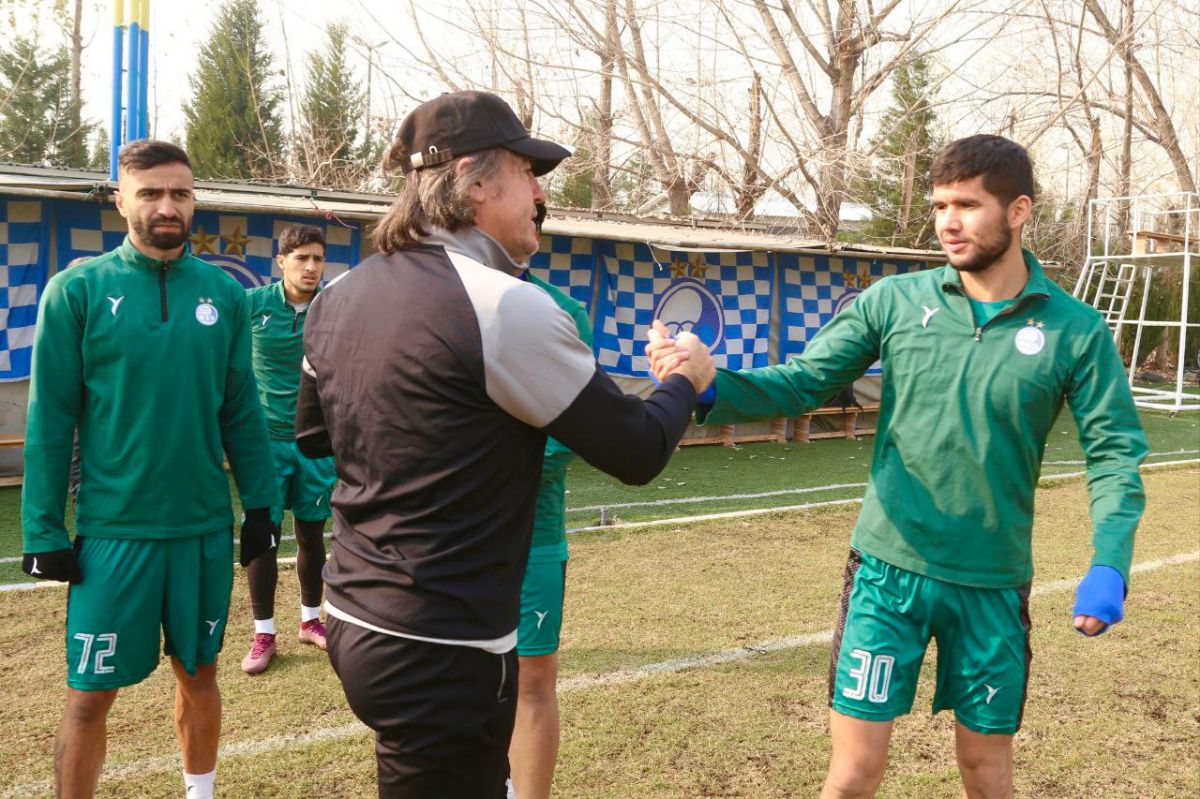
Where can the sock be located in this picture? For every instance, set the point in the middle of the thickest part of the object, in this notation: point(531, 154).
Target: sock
point(308, 614)
point(265, 626)
point(508, 786)
point(199, 786)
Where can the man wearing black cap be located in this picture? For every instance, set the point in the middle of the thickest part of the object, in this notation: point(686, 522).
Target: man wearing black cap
point(434, 374)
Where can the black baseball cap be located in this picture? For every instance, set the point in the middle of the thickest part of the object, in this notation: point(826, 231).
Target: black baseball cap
point(458, 123)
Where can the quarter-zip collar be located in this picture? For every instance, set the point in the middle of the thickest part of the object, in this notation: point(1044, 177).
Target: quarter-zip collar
point(135, 257)
point(1037, 284)
point(476, 245)
point(1036, 287)
point(281, 297)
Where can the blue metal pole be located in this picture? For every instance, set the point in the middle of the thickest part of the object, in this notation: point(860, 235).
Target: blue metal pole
point(114, 134)
point(144, 69)
point(131, 84)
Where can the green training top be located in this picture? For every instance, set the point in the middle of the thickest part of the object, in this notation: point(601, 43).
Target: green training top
point(964, 416)
point(549, 542)
point(277, 336)
point(151, 360)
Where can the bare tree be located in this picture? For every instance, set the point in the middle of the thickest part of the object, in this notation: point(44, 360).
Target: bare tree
point(849, 31)
point(1161, 122)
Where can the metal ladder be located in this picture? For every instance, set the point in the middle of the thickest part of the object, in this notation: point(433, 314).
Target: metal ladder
point(1112, 295)
point(1107, 292)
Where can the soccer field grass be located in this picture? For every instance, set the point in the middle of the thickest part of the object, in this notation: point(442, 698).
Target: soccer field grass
point(713, 479)
point(693, 665)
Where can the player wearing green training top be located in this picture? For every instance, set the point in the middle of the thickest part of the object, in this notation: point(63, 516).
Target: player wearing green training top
point(534, 748)
point(277, 314)
point(978, 358)
point(146, 350)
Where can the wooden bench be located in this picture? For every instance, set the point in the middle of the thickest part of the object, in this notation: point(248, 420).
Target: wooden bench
point(1148, 241)
point(727, 434)
point(724, 437)
point(12, 441)
point(849, 418)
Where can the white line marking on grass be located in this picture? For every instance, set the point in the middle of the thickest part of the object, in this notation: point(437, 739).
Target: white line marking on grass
point(716, 498)
point(1151, 455)
point(153, 765)
point(1144, 467)
point(659, 522)
point(582, 682)
point(707, 517)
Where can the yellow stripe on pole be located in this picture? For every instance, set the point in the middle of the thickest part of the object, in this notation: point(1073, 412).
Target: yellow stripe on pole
point(118, 13)
point(144, 14)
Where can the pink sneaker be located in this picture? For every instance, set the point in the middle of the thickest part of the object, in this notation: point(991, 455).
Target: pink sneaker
point(313, 632)
point(259, 657)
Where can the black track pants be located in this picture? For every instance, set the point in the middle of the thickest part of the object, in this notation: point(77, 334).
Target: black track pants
point(442, 715)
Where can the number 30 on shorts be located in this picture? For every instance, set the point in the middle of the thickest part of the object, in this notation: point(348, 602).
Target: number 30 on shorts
point(872, 674)
point(105, 645)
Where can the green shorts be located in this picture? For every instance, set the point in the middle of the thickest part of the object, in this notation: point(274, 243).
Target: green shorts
point(541, 606)
point(304, 483)
point(888, 615)
point(131, 589)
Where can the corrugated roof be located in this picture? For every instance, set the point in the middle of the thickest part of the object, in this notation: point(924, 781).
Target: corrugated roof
point(703, 235)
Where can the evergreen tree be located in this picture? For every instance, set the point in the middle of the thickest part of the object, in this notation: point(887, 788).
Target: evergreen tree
point(36, 107)
point(898, 189)
point(573, 182)
point(233, 126)
point(330, 111)
point(100, 151)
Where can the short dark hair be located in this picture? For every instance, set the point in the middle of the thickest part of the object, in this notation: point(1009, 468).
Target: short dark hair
point(149, 153)
point(294, 236)
point(1005, 166)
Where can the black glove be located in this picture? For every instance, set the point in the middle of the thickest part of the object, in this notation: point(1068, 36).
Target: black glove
point(57, 565)
point(259, 535)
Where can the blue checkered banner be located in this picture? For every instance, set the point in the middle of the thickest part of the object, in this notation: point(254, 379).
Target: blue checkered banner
point(569, 263)
point(817, 287)
point(244, 245)
point(722, 297)
point(24, 257)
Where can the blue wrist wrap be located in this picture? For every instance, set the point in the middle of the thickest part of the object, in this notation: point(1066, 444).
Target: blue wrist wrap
point(1101, 594)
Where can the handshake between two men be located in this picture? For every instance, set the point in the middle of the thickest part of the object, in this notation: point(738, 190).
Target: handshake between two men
point(684, 354)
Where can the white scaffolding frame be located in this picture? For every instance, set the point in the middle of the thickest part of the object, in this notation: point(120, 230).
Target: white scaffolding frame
point(1107, 279)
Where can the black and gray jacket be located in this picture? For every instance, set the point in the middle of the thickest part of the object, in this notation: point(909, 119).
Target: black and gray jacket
point(433, 375)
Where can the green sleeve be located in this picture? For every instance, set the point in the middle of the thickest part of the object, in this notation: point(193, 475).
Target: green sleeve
point(554, 464)
point(243, 425)
point(1114, 444)
point(557, 455)
point(582, 323)
point(837, 356)
point(55, 401)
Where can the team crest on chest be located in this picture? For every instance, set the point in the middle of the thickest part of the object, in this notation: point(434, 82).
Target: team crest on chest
point(206, 312)
point(1030, 340)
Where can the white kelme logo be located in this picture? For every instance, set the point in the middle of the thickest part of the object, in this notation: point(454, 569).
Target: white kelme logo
point(212, 626)
point(541, 617)
point(116, 303)
point(929, 312)
point(991, 692)
point(263, 322)
point(34, 569)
